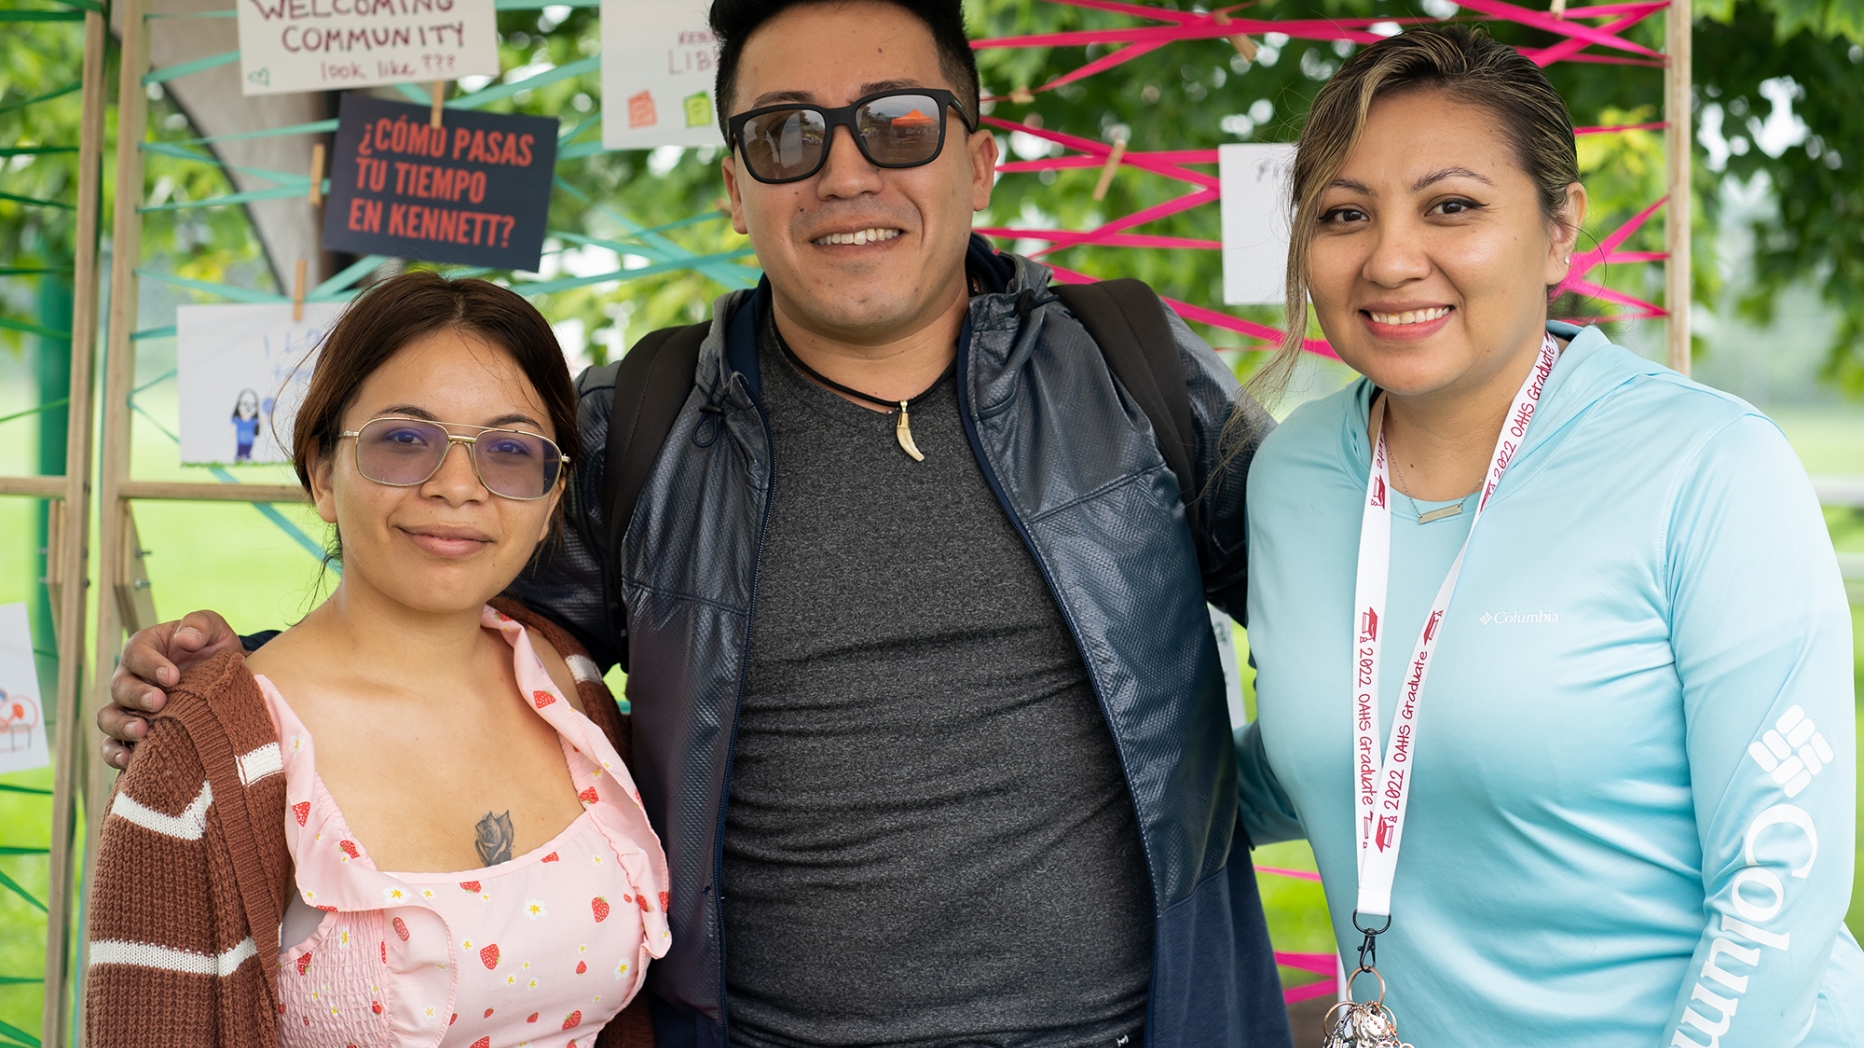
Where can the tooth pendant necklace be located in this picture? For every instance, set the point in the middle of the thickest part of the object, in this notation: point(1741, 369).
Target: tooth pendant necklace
point(902, 429)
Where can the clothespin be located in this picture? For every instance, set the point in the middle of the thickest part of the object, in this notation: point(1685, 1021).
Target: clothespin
point(1022, 96)
point(297, 294)
point(1241, 41)
point(440, 97)
point(1559, 9)
point(317, 175)
point(1106, 171)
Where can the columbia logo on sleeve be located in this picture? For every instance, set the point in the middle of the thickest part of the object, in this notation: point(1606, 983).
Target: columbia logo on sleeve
point(1792, 751)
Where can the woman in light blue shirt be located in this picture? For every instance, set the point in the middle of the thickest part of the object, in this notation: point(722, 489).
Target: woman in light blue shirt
point(1622, 797)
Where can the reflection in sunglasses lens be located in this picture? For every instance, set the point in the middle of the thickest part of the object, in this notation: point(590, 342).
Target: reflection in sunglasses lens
point(900, 129)
point(895, 131)
point(785, 143)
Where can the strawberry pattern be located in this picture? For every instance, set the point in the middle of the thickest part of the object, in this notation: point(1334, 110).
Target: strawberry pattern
point(487, 958)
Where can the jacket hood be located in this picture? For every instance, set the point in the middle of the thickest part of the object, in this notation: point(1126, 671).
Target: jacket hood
point(1590, 368)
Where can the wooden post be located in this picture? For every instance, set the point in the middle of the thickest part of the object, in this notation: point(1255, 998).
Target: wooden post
point(316, 194)
point(74, 735)
point(1678, 141)
point(1114, 156)
point(440, 99)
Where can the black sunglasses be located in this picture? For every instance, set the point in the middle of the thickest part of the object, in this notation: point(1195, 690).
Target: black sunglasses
point(790, 142)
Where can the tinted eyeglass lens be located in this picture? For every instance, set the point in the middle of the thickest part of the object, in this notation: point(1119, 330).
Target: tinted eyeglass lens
point(405, 452)
point(517, 465)
point(400, 451)
point(901, 130)
point(786, 143)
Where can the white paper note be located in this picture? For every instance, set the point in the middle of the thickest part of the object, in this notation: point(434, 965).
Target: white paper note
point(1255, 221)
point(327, 45)
point(658, 61)
point(243, 370)
point(22, 711)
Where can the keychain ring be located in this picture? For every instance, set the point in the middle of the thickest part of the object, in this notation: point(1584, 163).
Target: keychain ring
point(1357, 972)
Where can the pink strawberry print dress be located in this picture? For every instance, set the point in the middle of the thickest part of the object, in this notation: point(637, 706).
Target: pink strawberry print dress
point(541, 950)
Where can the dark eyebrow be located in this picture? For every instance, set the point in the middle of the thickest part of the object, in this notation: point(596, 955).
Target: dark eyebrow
point(770, 98)
point(1349, 184)
point(1449, 172)
point(509, 418)
point(514, 417)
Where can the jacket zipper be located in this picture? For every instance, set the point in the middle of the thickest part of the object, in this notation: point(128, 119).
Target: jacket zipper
point(731, 749)
point(1003, 500)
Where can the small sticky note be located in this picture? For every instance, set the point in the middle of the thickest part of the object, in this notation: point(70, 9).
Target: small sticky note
point(698, 109)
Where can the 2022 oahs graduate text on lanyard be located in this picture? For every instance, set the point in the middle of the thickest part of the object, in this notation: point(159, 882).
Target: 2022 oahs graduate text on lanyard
point(1382, 789)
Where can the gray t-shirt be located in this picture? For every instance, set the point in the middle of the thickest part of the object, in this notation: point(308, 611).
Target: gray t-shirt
point(929, 840)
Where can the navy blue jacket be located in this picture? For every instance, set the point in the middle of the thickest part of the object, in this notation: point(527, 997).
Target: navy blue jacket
point(1076, 468)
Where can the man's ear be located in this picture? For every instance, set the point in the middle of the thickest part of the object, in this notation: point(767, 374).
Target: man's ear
point(983, 149)
point(729, 168)
point(323, 494)
point(1565, 238)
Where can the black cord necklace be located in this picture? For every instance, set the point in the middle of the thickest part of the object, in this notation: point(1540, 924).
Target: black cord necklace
point(902, 431)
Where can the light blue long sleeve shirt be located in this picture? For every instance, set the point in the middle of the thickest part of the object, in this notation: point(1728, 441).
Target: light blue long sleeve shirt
point(1633, 799)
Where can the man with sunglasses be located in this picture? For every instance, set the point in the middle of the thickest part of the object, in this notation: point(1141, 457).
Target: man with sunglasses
point(926, 706)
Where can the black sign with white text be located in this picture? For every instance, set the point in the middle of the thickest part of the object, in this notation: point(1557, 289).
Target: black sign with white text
point(474, 191)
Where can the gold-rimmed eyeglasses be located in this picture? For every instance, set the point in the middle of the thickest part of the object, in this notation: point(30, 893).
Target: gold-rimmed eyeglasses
point(407, 452)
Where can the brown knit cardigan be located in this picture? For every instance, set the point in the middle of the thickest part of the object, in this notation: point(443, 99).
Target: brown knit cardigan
point(193, 872)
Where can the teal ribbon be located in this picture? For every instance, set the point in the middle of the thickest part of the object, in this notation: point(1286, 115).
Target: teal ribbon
point(166, 73)
point(49, 95)
point(16, 198)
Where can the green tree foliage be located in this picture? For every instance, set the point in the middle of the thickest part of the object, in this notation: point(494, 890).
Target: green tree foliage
point(1748, 56)
point(1189, 95)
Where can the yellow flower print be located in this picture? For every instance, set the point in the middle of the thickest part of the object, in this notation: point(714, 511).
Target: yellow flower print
point(534, 908)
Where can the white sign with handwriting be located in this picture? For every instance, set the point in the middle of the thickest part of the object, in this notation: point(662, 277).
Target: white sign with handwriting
point(658, 61)
point(1254, 180)
point(243, 370)
point(22, 708)
point(326, 45)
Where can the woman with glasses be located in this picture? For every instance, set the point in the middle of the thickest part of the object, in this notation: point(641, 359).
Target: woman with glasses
point(1554, 658)
point(401, 821)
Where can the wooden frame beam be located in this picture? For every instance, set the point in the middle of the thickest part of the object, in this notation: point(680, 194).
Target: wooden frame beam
point(1678, 140)
point(75, 739)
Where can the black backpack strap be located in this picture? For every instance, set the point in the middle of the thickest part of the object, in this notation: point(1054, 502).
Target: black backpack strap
point(1128, 322)
point(652, 383)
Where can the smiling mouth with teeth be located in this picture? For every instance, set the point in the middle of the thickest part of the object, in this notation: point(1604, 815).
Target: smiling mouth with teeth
point(858, 237)
point(1410, 316)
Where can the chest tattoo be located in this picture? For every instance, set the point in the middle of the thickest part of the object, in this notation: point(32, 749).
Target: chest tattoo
point(494, 839)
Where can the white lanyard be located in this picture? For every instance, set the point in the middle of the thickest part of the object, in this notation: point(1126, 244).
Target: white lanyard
point(1382, 792)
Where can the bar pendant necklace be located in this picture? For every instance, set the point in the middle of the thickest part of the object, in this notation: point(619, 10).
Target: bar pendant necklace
point(902, 428)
